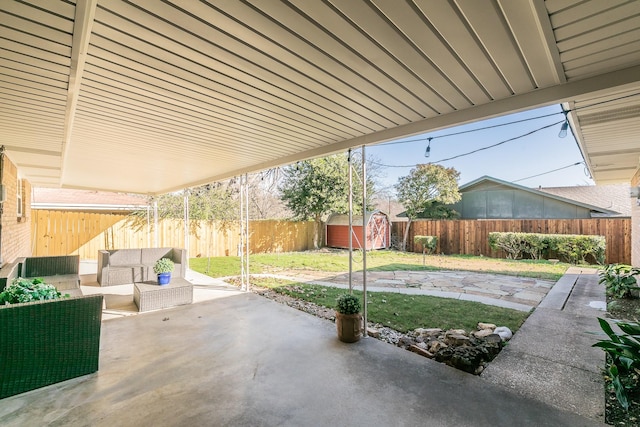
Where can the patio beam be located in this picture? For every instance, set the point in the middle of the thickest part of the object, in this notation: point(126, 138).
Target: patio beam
point(83, 24)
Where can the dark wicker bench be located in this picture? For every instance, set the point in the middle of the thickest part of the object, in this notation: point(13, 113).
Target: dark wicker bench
point(46, 342)
point(59, 271)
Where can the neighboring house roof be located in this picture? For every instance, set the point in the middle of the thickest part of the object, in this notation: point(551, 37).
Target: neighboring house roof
point(614, 197)
point(486, 178)
point(85, 200)
point(500, 183)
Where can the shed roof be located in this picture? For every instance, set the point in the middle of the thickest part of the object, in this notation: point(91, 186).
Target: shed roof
point(343, 219)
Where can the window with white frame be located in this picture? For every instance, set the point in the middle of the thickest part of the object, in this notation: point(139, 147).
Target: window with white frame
point(20, 204)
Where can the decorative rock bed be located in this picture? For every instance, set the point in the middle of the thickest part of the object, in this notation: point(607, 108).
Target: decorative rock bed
point(467, 351)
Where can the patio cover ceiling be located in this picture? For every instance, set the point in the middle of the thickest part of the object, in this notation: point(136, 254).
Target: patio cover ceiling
point(152, 97)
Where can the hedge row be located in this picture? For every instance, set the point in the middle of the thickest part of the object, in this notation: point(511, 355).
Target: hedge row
point(569, 247)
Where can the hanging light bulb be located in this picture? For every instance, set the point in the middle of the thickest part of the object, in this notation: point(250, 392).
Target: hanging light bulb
point(427, 153)
point(564, 127)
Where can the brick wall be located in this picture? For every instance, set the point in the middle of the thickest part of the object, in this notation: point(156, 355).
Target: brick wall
point(15, 240)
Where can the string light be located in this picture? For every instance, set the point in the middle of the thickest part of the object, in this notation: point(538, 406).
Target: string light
point(476, 150)
point(427, 152)
point(564, 127)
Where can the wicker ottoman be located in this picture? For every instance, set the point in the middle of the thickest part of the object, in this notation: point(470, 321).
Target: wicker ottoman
point(151, 296)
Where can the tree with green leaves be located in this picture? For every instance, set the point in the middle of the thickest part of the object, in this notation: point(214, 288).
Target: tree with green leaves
point(212, 202)
point(426, 186)
point(314, 188)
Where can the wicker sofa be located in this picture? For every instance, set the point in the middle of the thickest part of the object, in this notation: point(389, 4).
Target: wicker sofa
point(46, 342)
point(124, 266)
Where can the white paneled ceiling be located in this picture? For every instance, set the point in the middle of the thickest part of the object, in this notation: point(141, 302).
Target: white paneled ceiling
point(593, 39)
point(155, 96)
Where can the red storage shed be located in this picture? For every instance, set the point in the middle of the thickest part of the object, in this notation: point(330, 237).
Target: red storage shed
point(378, 231)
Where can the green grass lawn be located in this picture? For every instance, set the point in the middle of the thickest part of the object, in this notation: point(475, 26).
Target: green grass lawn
point(338, 261)
point(397, 311)
point(405, 312)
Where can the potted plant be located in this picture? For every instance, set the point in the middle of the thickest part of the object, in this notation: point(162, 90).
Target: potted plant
point(348, 318)
point(26, 290)
point(163, 268)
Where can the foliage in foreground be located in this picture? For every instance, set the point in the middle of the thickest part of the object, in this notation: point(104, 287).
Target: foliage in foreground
point(404, 312)
point(25, 290)
point(624, 353)
point(619, 279)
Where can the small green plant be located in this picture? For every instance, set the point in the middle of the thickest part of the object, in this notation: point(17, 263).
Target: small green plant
point(163, 265)
point(428, 243)
point(624, 352)
point(619, 280)
point(613, 305)
point(348, 304)
point(25, 290)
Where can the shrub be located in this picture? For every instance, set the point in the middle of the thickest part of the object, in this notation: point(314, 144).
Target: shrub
point(619, 279)
point(514, 244)
point(428, 243)
point(624, 352)
point(535, 245)
point(163, 265)
point(576, 248)
point(348, 304)
point(25, 290)
point(570, 247)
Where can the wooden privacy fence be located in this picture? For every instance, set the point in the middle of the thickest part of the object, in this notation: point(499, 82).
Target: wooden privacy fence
point(471, 237)
point(83, 234)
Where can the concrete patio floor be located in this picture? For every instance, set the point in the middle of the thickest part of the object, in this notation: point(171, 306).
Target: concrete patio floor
point(243, 360)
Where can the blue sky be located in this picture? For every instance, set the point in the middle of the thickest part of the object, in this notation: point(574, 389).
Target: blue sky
point(538, 153)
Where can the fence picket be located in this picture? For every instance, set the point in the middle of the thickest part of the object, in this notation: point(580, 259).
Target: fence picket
point(471, 236)
point(84, 233)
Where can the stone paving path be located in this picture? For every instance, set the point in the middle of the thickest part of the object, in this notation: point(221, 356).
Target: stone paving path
point(520, 293)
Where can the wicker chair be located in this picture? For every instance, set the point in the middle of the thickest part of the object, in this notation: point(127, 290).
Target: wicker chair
point(46, 342)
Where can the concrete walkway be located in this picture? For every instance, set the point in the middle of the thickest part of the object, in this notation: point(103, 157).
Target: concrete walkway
point(551, 358)
point(244, 360)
